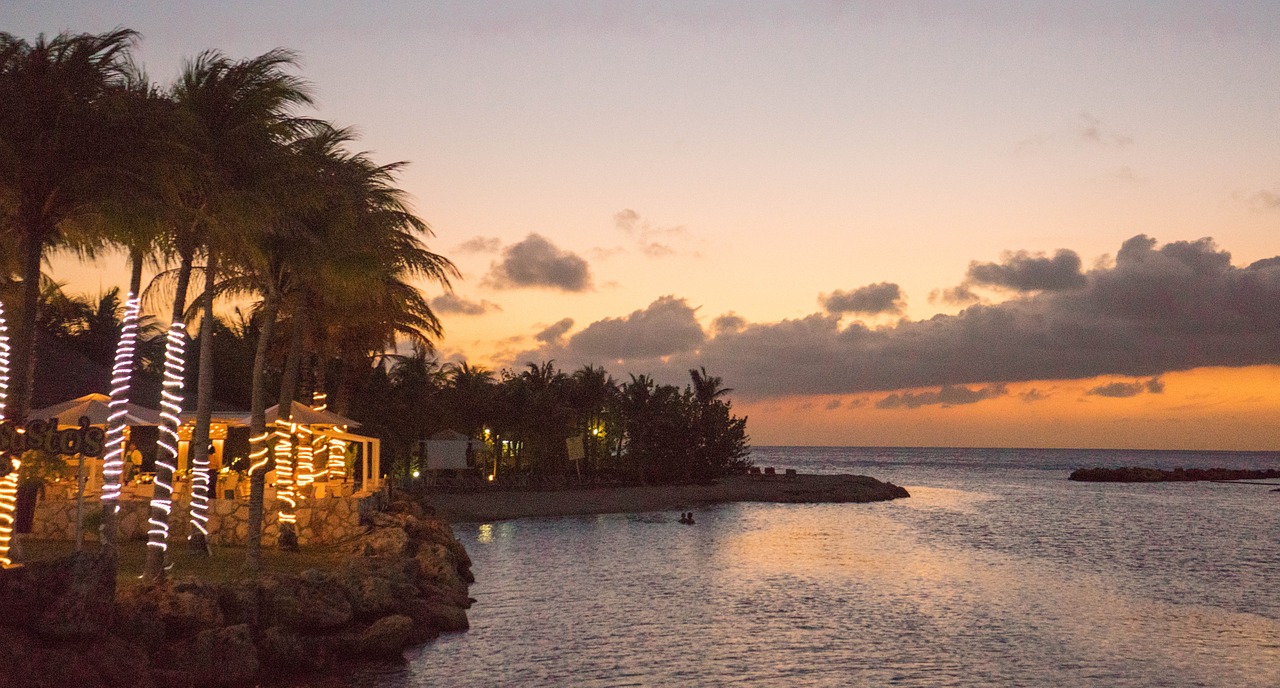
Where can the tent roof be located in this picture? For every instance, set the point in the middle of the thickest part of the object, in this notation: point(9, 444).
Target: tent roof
point(299, 413)
point(450, 434)
point(95, 407)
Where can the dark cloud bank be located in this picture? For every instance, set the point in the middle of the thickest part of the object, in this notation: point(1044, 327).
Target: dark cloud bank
point(1158, 309)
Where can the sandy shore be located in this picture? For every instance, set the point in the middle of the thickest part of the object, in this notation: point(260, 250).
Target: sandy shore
point(807, 489)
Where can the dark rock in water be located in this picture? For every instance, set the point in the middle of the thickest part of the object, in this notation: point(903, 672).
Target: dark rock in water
point(386, 636)
point(1134, 474)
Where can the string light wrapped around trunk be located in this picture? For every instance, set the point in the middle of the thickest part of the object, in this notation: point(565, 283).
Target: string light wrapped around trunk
point(9, 483)
point(121, 377)
point(306, 467)
point(8, 505)
point(284, 473)
point(167, 462)
point(337, 459)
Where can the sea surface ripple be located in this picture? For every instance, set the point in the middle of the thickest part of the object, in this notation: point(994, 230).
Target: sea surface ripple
point(997, 571)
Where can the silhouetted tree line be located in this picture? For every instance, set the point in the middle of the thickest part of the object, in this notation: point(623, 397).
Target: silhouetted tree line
point(637, 430)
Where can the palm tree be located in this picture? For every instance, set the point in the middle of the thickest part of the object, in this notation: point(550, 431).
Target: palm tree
point(234, 118)
point(58, 148)
point(356, 274)
point(591, 395)
point(707, 389)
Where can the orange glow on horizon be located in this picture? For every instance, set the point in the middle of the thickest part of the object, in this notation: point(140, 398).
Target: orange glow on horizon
point(1206, 408)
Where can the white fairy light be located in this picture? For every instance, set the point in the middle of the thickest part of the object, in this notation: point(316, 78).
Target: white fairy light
point(199, 491)
point(4, 364)
point(170, 407)
point(9, 483)
point(121, 376)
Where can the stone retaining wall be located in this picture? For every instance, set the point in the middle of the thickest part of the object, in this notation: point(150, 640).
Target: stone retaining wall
point(321, 521)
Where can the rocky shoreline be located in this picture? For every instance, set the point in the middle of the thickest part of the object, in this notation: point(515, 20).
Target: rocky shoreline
point(63, 623)
point(495, 505)
point(1134, 474)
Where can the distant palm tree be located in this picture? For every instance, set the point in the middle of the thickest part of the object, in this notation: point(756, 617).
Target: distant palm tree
point(706, 389)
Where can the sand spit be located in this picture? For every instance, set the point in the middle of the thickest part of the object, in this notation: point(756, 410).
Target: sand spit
point(801, 489)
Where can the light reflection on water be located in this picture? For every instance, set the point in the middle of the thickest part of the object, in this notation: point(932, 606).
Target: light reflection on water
point(983, 577)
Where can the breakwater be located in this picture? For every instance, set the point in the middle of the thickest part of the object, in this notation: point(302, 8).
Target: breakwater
point(1134, 474)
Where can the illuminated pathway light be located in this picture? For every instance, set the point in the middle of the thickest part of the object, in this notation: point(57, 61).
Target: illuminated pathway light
point(167, 462)
point(121, 376)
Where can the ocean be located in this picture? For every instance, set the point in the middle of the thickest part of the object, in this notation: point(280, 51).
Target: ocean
point(998, 571)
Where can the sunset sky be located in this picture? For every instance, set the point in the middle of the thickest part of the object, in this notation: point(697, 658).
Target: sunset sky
point(959, 223)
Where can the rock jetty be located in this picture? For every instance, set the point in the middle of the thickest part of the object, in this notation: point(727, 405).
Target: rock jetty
point(62, 623)
point(1134, 474)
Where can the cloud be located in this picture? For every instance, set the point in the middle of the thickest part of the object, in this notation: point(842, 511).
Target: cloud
point(1090, 130)
point(946, 396)
point(872, 299)
point(1156, 309)
point(480, 245)
point(650, 240)
point(555, 332)
point(1033, 395)
point(1024, 271)
point(1085, 129)
point(452, 303)
point(1265, 200)
point(729, 322)
point(961, 295)
point(1124, 390)
point(536, 262)
point(667, 326)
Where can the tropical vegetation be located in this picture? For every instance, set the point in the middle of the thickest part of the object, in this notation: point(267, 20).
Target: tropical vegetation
point(224, 184)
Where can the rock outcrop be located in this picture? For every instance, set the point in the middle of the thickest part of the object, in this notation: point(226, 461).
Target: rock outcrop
point(1134, 474)
point(63, 622)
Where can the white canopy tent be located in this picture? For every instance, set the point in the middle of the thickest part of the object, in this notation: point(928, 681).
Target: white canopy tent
point(96, 408)
point(329, 425)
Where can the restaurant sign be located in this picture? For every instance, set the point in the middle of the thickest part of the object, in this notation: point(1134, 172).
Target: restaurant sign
point(44, 435)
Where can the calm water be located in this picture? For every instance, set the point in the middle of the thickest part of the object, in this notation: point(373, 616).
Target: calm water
point(997, 571)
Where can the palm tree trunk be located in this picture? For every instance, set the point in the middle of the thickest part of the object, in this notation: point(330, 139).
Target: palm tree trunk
point(199, 448)
point(286, 479)
point(136, 257)
point(23, 370)
point(171, 406)
point(259, 455)
point(23, 363)
point(122, 375)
